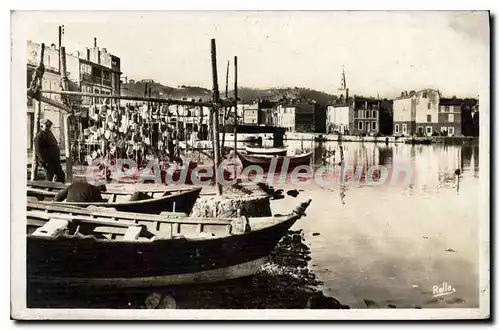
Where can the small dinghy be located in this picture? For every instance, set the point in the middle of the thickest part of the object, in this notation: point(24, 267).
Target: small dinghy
point(283, 163)
point(273, 151)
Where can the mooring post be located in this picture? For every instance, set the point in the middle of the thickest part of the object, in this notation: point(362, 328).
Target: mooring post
point(215, 121)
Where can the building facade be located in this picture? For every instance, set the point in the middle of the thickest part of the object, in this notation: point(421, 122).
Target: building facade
point(416, 113)
point(450, 117)
point(92, 71)
point(404, 115)
point(251, 115)
point(99, 73)
point(427, 112)
point(285, 117)
point(365, 116)
point(299, 116)
point(338, 118)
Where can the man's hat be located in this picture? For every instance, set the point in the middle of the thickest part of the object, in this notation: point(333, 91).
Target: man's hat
point(46, 122)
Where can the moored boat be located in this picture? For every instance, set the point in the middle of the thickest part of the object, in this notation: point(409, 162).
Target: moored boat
point(283, 163)
point(281, 151)
point(419, 140)
point(173, 200)
point(68, 245)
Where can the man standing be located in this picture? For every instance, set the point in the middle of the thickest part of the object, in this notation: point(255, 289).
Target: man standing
point(48, 153)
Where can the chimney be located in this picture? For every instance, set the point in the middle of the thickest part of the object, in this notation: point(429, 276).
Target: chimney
point(95, 42)
point(88, 54)
point(347, 95)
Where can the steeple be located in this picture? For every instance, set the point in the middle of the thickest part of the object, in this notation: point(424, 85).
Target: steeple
point(343, 84)
point(344, 91)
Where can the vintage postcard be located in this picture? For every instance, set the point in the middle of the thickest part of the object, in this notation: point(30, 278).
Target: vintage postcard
point(250, 165)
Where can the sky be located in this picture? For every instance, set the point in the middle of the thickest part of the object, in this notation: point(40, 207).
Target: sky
point(382, 53)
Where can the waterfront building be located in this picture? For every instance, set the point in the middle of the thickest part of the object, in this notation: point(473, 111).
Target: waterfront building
point(426, 113)
point(338, 118)
point(416, 113)
point(93, 70)
point(365, 116)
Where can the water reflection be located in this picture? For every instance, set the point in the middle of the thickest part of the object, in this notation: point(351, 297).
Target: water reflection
point(432, 166)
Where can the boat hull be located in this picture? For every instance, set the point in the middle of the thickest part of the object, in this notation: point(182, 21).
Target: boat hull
point(419, 141)
point(283, 163)
point(90, 262)
point(178, 202)
point(266, 151)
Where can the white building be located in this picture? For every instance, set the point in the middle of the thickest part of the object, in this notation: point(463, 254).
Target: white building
point(416, 112)
point(337, 118)
point(286, 117)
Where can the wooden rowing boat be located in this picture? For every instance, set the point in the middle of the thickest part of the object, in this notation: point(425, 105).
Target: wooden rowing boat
point(266, 150)
point(283, 163)
point(68, 245)
point(174, 200)
point(418, 140)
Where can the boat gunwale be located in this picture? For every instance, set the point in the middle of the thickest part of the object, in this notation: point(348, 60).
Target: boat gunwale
point(264, 156)
point(278, 220)
point(37, 186)
point(145, 201)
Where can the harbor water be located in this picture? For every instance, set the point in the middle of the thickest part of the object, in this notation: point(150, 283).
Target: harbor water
point(393, 245)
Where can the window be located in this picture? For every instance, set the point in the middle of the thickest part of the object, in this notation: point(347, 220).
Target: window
point(446, 108)
point(451, 131)
point(428, 105)
point(367, 114)
point(85, 69)
point(374, 114)
point(374, 125)
point(360, 125)
point(428, 130)
point(429, 118)
point(404, 128)
point(420, 130)
point(451, 118)
point(367, 126)
point(360, 113)
point(424, 95)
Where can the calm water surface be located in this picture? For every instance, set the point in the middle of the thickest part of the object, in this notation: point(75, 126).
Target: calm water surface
point(389, 245)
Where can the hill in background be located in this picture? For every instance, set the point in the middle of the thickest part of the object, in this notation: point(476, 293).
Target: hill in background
point(137, 88)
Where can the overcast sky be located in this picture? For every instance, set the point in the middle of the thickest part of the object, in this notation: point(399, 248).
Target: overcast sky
point(382, 52)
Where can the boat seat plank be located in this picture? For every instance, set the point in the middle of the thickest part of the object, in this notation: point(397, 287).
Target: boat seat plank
point(67, 217)
point(110, 230)
point(171, 218)
point(132, 233)
point(52, 228)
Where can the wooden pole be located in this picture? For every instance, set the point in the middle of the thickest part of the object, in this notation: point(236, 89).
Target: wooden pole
point(215, 114)
point(67, 121)
point(60, 42)
point(235, 127)
point(167, 101)
point(36, 122)
point(225, 111)
point(36, 127)
point(227, 79)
